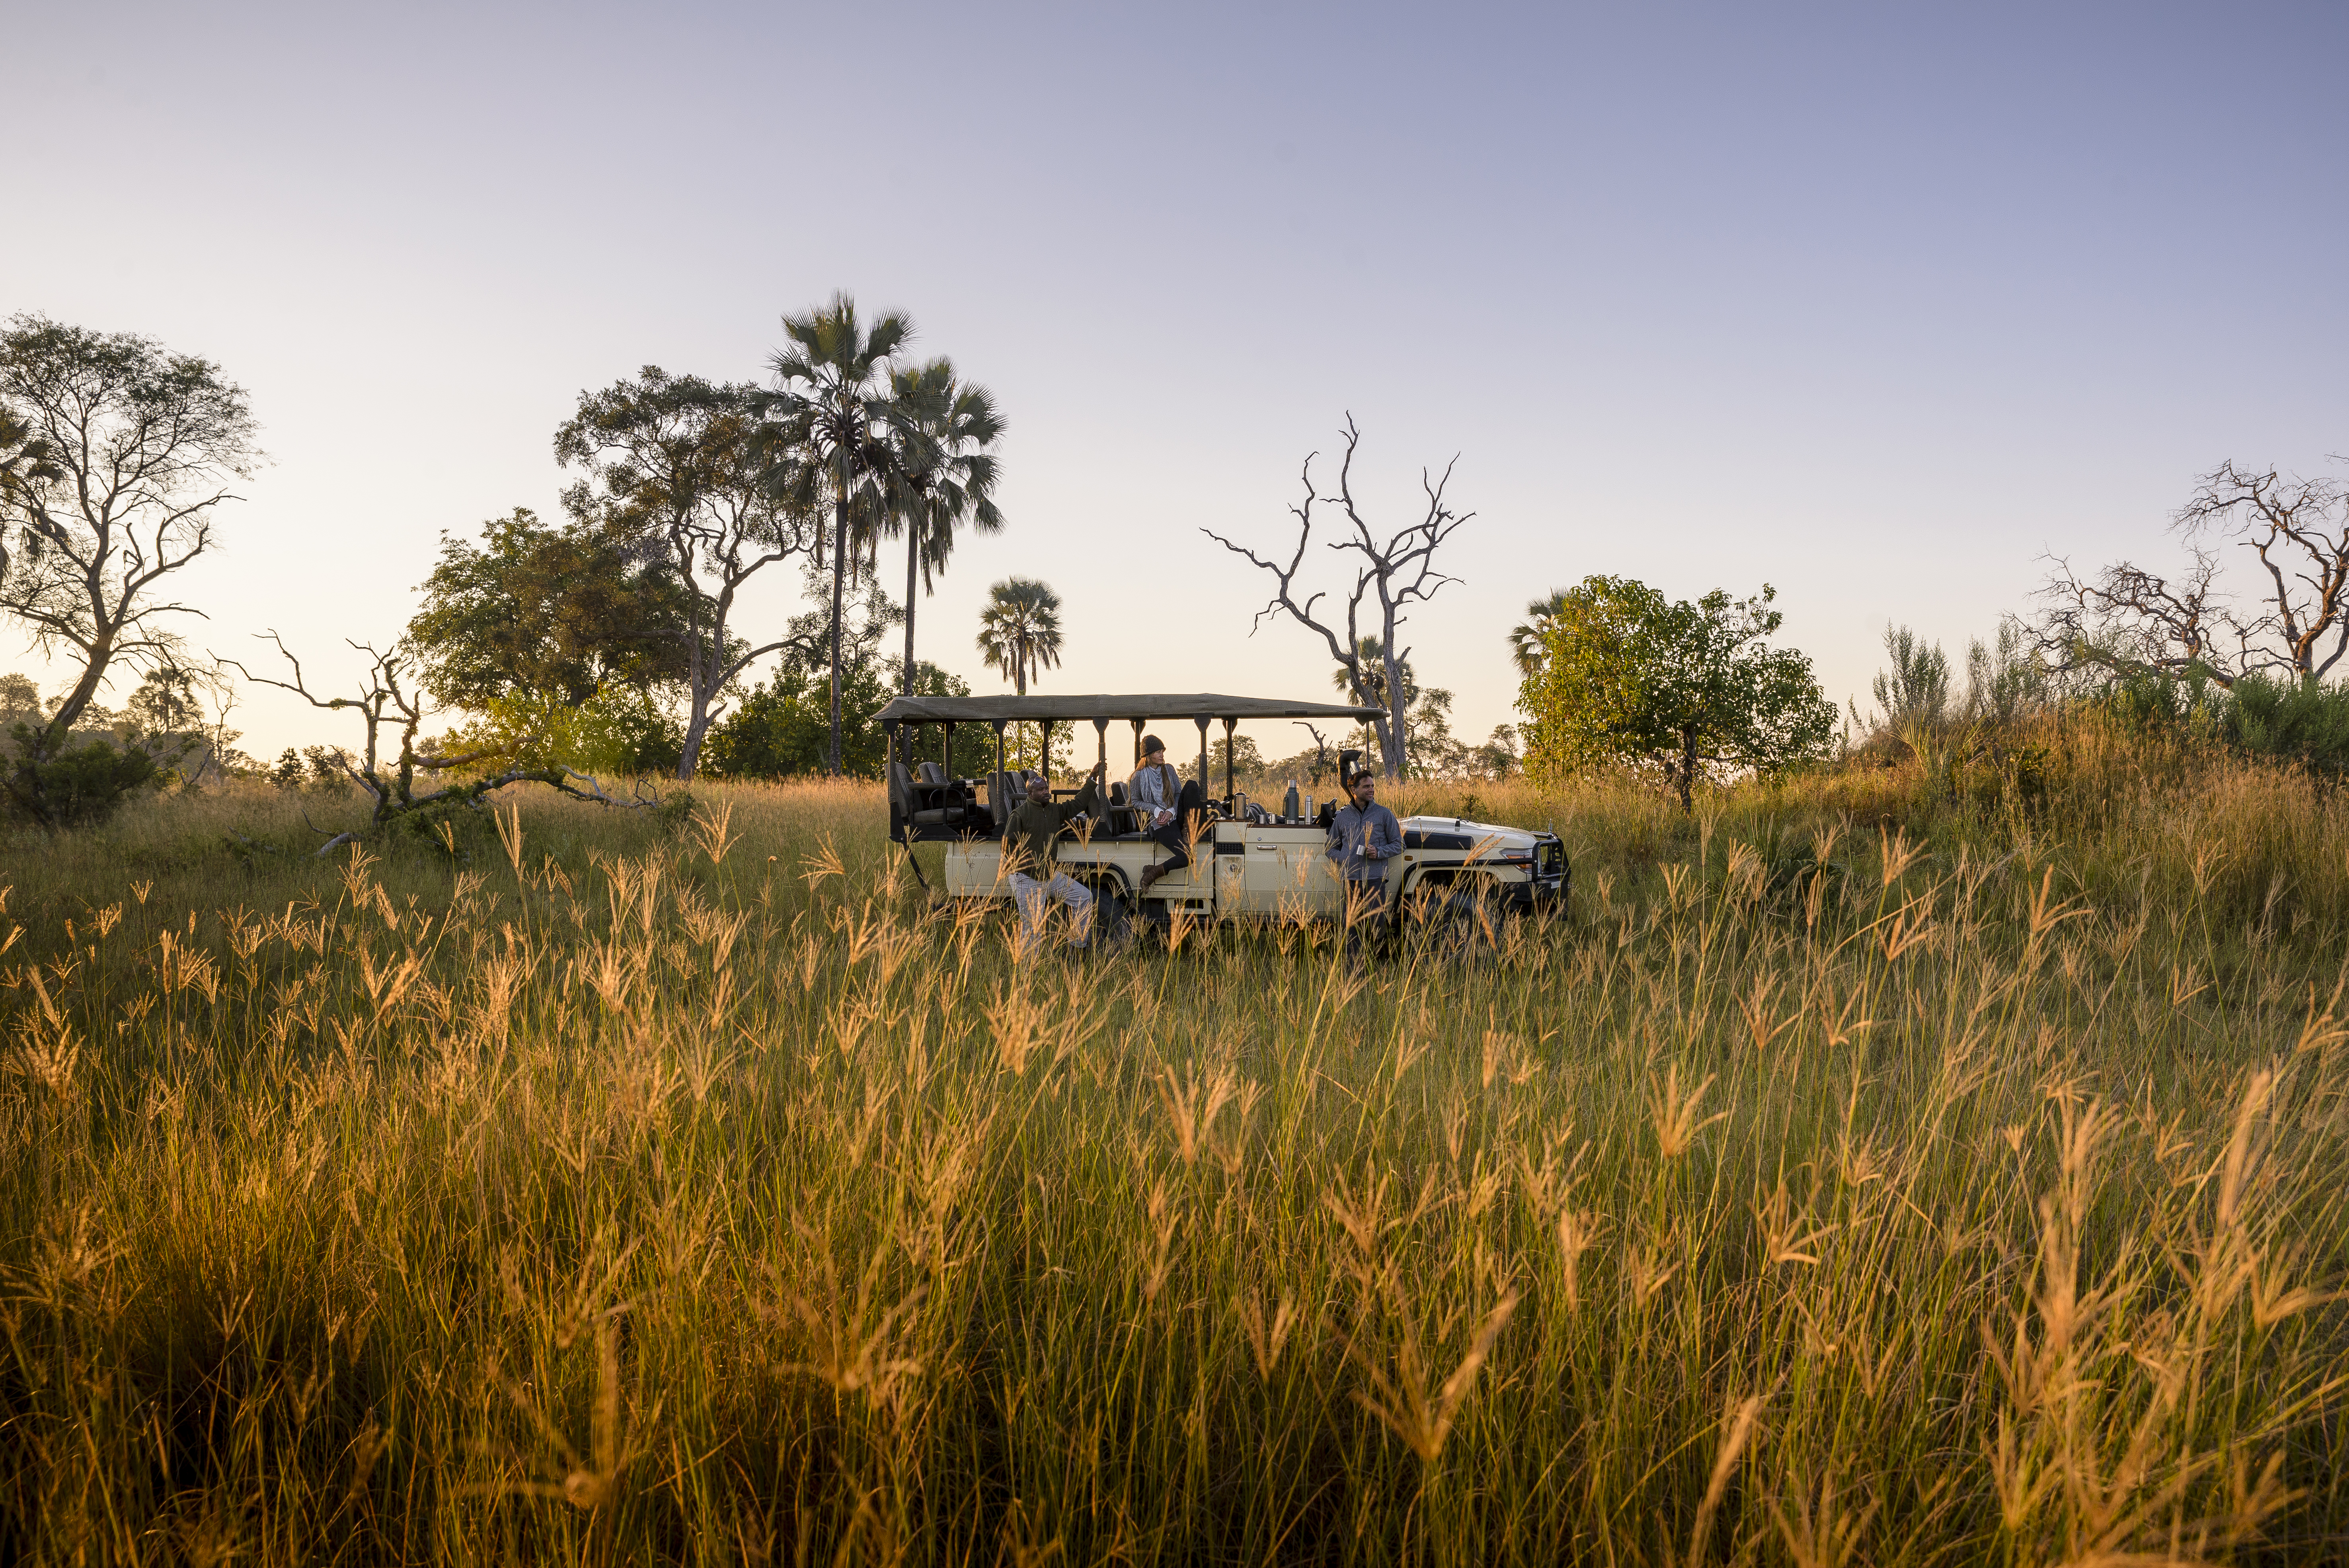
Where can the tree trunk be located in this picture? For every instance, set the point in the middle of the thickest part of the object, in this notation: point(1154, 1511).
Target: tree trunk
point(913, 552)
point(697, 730)
point(49, 740)
point(839, 571)
point(1391, 742)
point(1688, 767)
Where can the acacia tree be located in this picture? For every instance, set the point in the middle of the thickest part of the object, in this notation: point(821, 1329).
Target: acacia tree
point(562, 609)
point(676, 466)
point(2134, 622)
point(837, 434)
point(1683, 689)
point(1391, 571)
point(117, 454)
point(942, 475)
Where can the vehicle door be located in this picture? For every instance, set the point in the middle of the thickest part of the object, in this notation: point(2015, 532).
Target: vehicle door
point(1230, 856)
point(1288, 875)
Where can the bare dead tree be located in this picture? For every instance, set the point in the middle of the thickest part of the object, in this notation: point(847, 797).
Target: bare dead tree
point(2131, 621)
point(1321, 749)
point(2137, 621)
point(1390, 574)
point(2300, 532)
point(391, 709)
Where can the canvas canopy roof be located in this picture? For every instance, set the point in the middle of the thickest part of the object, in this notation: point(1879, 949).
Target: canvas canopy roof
point(1066, 709)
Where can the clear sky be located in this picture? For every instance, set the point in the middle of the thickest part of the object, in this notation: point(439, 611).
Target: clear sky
point(1874, 302)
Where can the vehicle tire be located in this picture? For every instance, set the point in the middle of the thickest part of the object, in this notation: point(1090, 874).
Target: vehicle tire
point(1112, 916)
point(1464, 926)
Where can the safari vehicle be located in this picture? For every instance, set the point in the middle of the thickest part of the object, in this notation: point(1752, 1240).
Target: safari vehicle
point(1254, 861)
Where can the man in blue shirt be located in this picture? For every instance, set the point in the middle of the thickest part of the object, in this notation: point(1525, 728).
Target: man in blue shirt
point(1364, 837)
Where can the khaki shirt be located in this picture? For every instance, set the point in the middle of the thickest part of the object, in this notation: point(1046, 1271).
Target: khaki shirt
point(1028, 835)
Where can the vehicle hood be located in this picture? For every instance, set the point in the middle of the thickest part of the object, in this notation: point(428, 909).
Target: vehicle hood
point(1492, 836)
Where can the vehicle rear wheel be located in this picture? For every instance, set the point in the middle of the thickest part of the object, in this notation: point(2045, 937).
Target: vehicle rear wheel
point(1113, 916)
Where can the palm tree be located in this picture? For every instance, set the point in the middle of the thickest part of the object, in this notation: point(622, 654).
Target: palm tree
point(1526, 637)
point(944, 477)
point(1373, 690)
point(839, 433)
point(1019, 630)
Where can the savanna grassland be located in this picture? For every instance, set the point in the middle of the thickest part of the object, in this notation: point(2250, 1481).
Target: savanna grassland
point(1858, 1176)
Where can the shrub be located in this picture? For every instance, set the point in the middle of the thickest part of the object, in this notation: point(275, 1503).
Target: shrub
point(80, 785)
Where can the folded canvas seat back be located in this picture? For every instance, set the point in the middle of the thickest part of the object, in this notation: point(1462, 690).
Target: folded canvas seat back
point(999, 797)
point(922, 805)
point(1117, 796)
point(933, 774)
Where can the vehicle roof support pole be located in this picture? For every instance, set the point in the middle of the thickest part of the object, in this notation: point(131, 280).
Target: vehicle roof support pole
point(1203, 721)
point(1137, 741)
point(889, 771)
point(1228, 786)
point(946, 749)
point(1100, 734)
point(1044, 749)
point(999, 724)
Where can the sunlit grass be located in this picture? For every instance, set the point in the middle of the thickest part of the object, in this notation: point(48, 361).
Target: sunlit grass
point(1855, 1179)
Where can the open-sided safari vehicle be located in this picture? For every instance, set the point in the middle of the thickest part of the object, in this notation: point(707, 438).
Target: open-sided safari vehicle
point(1253, 861)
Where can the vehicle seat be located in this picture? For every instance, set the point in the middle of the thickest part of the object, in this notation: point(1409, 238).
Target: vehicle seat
point(929, 804)
point(1122, 816)
point(933, 774)
point(999, 797)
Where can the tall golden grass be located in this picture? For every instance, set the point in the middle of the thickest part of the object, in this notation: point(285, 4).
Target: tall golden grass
point(1856, 1178)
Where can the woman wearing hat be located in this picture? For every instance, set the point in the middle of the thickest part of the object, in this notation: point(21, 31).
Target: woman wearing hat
point(1167, 805)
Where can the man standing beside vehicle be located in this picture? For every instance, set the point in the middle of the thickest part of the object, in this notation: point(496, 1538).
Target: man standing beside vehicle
point(1364, 836)
point(1027, 846)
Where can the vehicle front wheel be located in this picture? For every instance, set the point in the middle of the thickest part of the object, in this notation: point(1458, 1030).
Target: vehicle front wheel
point(1462, 926)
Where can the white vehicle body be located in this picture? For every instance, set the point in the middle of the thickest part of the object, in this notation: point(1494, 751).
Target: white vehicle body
point(1247, 863)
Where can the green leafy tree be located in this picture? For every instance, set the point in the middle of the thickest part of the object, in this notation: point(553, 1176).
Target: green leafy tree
point(1239, 757)
point(116, 453)
point(565, 609)
point(167, 702)
point(782, 727)
point(943, 476)
point(1687, 689)
point(836, 436)
point(1019, 630)
point(677, 466)
point(20, 699)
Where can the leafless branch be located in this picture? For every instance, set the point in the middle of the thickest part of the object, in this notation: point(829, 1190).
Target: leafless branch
point(1394, 572)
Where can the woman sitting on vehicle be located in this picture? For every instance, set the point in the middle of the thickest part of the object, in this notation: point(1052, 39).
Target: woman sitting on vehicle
point(1167, 807)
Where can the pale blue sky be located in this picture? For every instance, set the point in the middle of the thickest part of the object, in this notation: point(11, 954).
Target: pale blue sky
point(1873, 302)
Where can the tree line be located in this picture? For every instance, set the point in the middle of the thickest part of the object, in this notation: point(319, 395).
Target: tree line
point(617, 628)
point(615, 633)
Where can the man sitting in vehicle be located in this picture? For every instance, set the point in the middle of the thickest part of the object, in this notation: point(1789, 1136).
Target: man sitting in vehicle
point(1364, 836)
point(1027, 839)
point(1166, 806)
